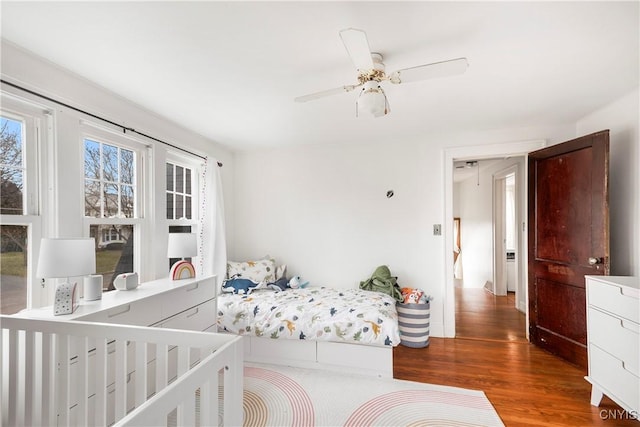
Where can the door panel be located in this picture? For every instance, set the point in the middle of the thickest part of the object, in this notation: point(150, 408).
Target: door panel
point(568, 225)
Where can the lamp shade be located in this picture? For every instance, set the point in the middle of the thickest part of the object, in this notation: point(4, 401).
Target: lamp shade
point(182, 245)
point(66, 258)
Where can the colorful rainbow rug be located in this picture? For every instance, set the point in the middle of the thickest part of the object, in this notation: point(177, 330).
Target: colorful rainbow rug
point(282, 396)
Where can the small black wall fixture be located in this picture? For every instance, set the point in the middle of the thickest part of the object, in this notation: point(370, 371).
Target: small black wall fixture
point(389, 194)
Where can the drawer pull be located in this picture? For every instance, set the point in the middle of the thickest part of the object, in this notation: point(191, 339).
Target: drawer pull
point(633, 328)
point(194, 312)
point(194, 287)
point(120, 312)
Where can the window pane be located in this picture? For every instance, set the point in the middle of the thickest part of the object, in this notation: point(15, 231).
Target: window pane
point(11, 188)
point(11, 146)
point(187, 207)
point(13, 268)
point(127, 166)
point(179, 179)
point(11, 166)
point(91, 159)
point(110, 200)
point(114, 251)
point(170, 206)
point(127, 201)
point(110, 162)
point(92, 198)
point(187, 181)
point(169, 177)
point(179, 206)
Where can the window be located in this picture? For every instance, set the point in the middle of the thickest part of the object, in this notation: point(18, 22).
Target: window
point(19, 210)
point(182, 189)
point(112, 202)
point(179, 192)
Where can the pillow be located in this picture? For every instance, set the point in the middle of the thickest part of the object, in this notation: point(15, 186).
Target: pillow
point(411, 296)
point(281, 270)
point(263, 270)
point(239, 286)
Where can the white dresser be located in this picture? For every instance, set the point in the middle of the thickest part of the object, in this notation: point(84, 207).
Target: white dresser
point(613, 340)
point(188, 304)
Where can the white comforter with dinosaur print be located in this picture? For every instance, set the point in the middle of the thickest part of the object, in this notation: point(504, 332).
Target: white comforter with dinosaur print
point(314, 313)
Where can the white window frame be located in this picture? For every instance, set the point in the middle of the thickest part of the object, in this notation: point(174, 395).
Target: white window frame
point(37, 121)
point(140, 221)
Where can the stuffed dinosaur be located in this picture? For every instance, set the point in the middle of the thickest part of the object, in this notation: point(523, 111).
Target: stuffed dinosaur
point(296, 282)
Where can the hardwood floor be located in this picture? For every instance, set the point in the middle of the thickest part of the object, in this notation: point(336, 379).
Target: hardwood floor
point(526, 385)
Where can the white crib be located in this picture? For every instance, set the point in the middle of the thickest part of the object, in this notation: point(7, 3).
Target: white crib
point(79, 373)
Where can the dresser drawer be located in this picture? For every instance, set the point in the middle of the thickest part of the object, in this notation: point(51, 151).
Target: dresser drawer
point(614, 299)
point(620, 337)
point(136, 313)
point(609, 372)
point(197, 318)
point(186, 296)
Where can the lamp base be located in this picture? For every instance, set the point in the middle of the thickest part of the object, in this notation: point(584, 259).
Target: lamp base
point(182, 270)
point(64, 302)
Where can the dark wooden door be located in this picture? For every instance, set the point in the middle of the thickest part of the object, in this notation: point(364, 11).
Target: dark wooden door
point(568, 239)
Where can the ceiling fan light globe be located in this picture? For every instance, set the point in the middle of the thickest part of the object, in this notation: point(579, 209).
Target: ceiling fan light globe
point(372, 100)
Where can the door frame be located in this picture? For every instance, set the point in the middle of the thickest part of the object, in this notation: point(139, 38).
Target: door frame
point(499, 230)
point(476, 152)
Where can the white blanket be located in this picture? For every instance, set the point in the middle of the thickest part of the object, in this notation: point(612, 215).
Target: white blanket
point(324, 314)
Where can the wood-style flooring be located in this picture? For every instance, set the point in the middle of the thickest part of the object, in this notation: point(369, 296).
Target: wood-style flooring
point(526, 385)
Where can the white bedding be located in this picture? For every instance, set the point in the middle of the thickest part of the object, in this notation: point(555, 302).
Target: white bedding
point(324, 314)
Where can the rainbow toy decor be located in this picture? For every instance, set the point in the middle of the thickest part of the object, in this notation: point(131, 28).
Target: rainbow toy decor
point(182, 270)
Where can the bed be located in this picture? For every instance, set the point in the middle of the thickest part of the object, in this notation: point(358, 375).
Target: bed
point(340, 329)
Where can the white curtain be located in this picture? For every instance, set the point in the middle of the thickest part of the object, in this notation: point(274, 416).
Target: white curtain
point(212, 231)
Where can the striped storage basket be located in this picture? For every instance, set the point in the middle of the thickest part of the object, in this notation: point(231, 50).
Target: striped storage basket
point(413, 320)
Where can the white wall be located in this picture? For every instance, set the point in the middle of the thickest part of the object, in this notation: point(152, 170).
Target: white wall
point(475, 209)
point(323, 210)
point(622, 119)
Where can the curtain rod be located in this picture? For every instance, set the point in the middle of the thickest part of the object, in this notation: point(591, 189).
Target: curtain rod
point(125, 129)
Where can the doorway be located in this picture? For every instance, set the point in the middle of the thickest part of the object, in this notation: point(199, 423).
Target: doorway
point(473, 153)
point(486, 205)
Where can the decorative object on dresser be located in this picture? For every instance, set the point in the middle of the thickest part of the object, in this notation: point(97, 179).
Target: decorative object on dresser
point(65, 258)
point(92, 289)
point(182, 245)
point(126, 281)
point(613, 340)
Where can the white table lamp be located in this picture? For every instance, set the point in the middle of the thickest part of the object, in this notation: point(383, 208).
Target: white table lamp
point(64, 258)
point(182, 245)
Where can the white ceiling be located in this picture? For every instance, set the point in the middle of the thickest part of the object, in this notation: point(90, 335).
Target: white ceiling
point(230, 70)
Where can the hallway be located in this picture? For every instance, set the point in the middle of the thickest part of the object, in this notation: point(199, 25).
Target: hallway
point(482, 315)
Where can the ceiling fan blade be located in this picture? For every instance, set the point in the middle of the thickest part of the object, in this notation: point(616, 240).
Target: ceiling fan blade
point(322, 94)
point(430, 71)
point(357, 47)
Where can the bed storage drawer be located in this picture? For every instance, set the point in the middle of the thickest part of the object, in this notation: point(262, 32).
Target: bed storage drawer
point(366, 357)
point(277, 350)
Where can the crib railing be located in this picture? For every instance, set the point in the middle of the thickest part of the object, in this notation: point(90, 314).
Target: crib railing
point(80, 373)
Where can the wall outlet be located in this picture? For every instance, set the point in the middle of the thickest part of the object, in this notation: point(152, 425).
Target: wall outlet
point(437, 229)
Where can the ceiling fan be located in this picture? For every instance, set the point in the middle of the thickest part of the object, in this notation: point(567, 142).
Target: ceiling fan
point(371, 73)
